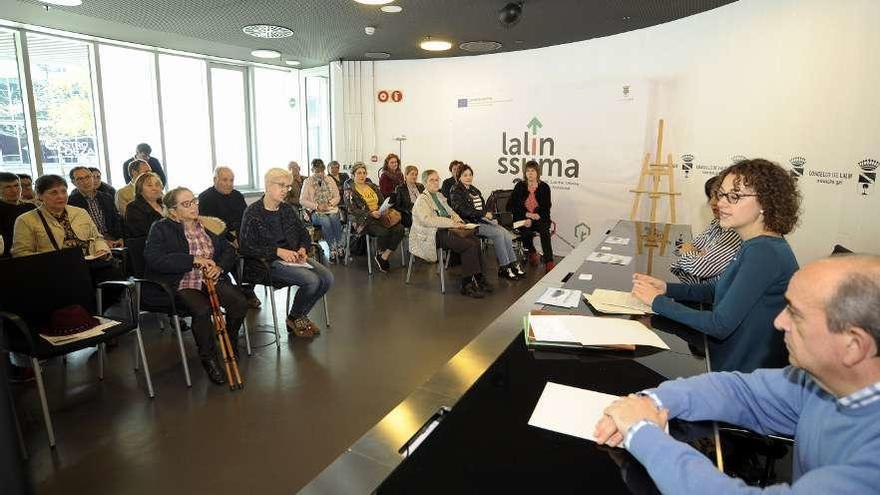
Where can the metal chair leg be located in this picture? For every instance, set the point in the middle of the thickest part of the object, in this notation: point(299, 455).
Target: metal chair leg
point(182, 352)
point(140, 342)
point(403, 250)
point(287, 304)
point(38, 373)
point(409, 267)
point(442, 271)
point(369, 255)
point(326, 311)
point(247, 336)
point(101, 355)
point(275, 321)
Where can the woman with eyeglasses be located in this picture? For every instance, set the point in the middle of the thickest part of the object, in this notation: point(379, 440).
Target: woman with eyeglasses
point(364, 200)
point(182, 253)
point(146, 208)
point(760, 201)
point(705, 258)
point(273, 234)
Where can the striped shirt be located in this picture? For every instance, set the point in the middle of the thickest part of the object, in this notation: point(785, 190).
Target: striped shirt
point(714, 249)
point(96, 213)
point(477, 202)
point(861, 398)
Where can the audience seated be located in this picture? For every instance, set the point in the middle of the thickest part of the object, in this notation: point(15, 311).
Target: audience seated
point(126, 195)
point(11, 207)
point(340, 177)
point(760, 201)
point(828, 399)
point(100, 185)
point(181, 253)
point(321, 197)
point(450, 181)
point(27, 189)
point(146, 207)
point(389, 175)
point(142, 152)
point(99, 205)
point(704, 259)
point(295, 185)
point(222, 201)
point(363, 199)
point(436, 225)
point(468, 202)
point(530, 202)
point(406, 194)
point(272, 231)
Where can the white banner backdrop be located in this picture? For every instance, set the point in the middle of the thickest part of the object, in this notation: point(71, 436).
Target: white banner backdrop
point(588, 139)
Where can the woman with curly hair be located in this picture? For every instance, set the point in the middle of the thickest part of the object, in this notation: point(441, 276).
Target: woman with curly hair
point(390, 175)
point(760, 201)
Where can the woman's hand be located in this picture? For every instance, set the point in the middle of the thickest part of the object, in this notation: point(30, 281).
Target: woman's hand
point(203, 263)
point(301, 255)
point(652, 281)
point(533, 216)
point(375, 214)
point(647, 288)
point(488, 215)
point(286, 255)
point(103, 254)
point(528, 222)
point(213, 272)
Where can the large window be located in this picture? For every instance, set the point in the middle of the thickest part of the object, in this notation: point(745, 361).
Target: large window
point(131, 111)
point(14, 150)
point(230, 119)
point(276, 113)
point(318, 117)
point(62, 89)
point(185, 119)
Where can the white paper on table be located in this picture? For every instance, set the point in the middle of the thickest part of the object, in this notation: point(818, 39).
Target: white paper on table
point(622, 241)
point(605, 248)
point(611, 309)
point(614, 259)
point(297, 265)
point(95, 331)
point(585, 276)
point(564, 298)
point(593, 331)
point(619, 298)
point(570, 410)
point(385, 205)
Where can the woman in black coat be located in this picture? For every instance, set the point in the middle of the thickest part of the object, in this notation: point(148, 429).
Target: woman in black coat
point(530, 203)
point(182, 253)
point(146, 207)
point(406, 194)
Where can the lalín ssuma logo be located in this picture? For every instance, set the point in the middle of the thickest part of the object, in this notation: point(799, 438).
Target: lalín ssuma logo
point(517, 151)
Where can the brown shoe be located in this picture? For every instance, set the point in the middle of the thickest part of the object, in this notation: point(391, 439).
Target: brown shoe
point(299, 326)
point(313, 327)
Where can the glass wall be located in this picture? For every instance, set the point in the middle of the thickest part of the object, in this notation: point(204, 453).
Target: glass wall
point(185, 119)
point(276, 113)
point(318, 118)
point(14, 149)
point(131, 109)
point(62, 90)
point(230, 117)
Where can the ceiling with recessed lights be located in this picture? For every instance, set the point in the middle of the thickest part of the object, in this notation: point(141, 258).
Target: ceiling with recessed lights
point(325, 30)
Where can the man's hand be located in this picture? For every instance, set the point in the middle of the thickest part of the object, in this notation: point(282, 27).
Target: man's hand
point(606, 433)
point(286, 255)
point(626, 412)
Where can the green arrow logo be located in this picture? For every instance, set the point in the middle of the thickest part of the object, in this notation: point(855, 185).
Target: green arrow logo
point(534, 125)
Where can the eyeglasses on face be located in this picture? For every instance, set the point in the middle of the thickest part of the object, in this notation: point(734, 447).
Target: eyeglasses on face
point(286, 187)
point(732, 197)
point(188, 204)
point(82, 178)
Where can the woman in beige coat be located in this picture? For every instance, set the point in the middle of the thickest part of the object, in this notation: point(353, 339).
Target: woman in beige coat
point(436, 225)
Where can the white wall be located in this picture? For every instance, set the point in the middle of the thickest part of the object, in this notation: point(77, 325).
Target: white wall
point(755, 78)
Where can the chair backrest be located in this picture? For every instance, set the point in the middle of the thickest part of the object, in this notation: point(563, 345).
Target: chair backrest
point(136, 246)
point(498, 200)
point(34, 286)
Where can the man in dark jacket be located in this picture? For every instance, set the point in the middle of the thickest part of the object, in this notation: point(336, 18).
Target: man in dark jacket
point(99, 205)
point(11, 207)
point(142, 152)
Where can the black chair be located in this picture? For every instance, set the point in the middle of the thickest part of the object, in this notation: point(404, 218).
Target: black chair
point(137, 265)
point(32, 287)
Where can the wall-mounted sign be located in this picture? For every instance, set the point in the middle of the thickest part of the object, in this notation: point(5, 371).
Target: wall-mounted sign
point(395, 96)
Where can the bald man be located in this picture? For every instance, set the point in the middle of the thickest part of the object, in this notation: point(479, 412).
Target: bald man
point(828, 399)
point(222, 201)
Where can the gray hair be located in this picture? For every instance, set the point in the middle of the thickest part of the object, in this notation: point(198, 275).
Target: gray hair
point(856, 300)
point(222, 169)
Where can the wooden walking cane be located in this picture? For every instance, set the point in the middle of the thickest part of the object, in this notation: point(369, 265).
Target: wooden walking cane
point(227, 351)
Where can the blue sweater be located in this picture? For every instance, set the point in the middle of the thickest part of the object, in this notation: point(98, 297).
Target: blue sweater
point(747, 298)
point(837, 449)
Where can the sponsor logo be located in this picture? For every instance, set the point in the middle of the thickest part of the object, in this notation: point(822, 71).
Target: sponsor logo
point(516, 151)
point(867, 175)
point(797, 166)
point(687, 165)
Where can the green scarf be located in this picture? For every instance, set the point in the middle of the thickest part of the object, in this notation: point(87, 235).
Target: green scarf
point(440, 209)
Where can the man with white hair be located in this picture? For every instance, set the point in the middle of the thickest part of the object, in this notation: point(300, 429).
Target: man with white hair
point(828, 399)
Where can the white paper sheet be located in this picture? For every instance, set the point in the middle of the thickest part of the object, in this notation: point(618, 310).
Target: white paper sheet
point(569, 410)
point(613, 259)
point(298, 265)
point(563, 298)
point(593, 331)
point(97, 330)
point(622, 299)
point(519, 224)
point(622, 241)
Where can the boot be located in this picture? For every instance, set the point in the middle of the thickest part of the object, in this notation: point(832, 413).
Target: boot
point(470, 288)
point(518, 270)
point(484, 284)
point(213, 370)
point(507, 272)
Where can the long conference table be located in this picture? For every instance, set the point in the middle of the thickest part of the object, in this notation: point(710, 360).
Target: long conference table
point(465, 430)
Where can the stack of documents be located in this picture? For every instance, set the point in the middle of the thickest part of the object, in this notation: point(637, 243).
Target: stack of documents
point(570, 410)
point(589, 331)
point(617, 302)
point(95, 331)
point(563, 298)
point(613, 259)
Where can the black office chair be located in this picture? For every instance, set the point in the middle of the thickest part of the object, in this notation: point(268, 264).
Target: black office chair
point(32, 287)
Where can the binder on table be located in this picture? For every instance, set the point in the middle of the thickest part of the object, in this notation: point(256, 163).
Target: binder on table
point(533, 343)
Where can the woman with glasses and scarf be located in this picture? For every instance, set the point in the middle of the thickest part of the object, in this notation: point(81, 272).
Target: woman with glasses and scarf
point(760, 201)
point(182, 253)
point(321, 197)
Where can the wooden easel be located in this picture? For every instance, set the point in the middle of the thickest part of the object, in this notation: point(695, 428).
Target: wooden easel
point(656, 171)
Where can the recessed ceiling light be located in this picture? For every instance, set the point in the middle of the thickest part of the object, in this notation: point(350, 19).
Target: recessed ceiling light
point(480, 46)
point(379, 55)
point(391, 9)
point(267, 31)
point(292, 62)
point(263, 53)
point(435, 45)
point(374, 2)
point(64, 3)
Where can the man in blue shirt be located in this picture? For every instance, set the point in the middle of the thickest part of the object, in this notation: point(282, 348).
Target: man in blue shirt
point(828, 400)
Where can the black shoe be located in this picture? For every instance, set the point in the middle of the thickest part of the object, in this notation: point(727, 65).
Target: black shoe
point(484, 284)
point(382, 264)
point(471, 289)
point(518, 270)
point(213, 371)
point(507, 272)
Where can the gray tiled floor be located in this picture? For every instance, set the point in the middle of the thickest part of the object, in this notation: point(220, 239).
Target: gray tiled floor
point(301, 407)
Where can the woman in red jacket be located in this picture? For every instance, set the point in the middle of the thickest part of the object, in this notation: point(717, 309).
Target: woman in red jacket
point(390, 175)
